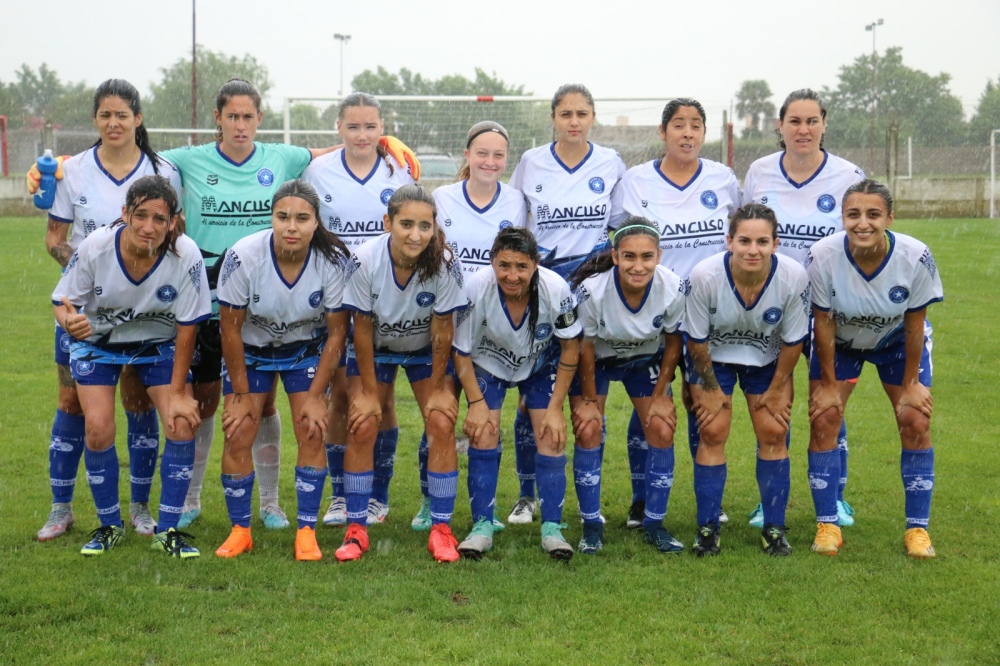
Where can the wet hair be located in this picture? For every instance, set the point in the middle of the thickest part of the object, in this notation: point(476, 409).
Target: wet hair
point(363, 99)
point(675, 105)
point(634, 225)
point(807, 94)
point(235, 88)
point(126, 92)
point(519, 239)
point(570, 89)
point(477, 130)
point(151, 188)
point(869, 186)
point(753, 211)
point(437, 251)
point(323, 240)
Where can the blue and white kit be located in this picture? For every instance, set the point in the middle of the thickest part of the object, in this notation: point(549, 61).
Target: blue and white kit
point(471, 230)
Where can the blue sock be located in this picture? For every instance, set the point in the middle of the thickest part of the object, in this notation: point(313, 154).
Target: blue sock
point(357, 490)
point(824, 470)
point(423, 455)
point(774, 480)
point(102, 475)
point(587, 477)
point(443, 489)
point(842, 448)
point(309, 482)
point(917, 470)
point(175, 477)
point(335, 463)
point(66, 445)
point(659, 481)
point(709, 484)
point(385, 460)
point(143, 449)
point(482, 482)
point(638, 449)
point(524, 453)
point(694, 434)
point(238, 494)
point(551, 486)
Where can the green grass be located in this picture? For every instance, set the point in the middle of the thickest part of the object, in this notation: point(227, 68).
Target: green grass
point(870, 604)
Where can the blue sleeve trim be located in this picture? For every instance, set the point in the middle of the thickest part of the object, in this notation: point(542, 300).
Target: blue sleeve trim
point(459, 351)
point(452, 311)
point(59, 219)
point(796, 342)
point(924, 306)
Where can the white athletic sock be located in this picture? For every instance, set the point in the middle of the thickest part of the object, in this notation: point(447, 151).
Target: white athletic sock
point(202, 446)
point(267, 459)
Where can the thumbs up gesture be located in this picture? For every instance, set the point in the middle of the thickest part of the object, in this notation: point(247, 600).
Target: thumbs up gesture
point(73, 322)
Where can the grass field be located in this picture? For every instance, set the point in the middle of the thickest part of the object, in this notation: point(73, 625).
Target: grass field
point(870, 604)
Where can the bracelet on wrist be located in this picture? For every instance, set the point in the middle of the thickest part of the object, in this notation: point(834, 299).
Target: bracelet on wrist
point(472, 402)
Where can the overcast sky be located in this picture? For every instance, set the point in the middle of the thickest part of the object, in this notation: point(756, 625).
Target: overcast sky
point(646, 48)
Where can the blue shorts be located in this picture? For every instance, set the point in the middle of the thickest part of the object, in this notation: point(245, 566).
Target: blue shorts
point(295, 363)
point(102, 366)
point(890, 362)
point(753, 379)
point(417, 364)
point(536, 389)
point(638, 376)
point(63, 343)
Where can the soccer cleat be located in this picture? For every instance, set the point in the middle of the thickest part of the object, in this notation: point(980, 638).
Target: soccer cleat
point(306, 548)
point(636, 514)
point(273, 517)
point(60, 519)
point(422, 521)
point(377, 512)
point(173, 543)
point(498, 525)
point(355, 543)
point(723, 516)
point(757, 517)
point(188, 516)
point(103, 539)
point(828, 539)
point(662, 540)
point(918, 544)
point(707, 540)
point(774, 542)
point(141, 519)
point(523, 511)
point(845, 513)
point(592, 539)
point(239, 542)
point(479, 541)
point(441, 543)
point(337, 513)
point(553, 542)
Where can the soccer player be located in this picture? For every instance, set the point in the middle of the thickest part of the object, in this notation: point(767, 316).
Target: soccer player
point(403, 288)
point(870, 292)
point(802, 184)
point(631, 309)
point(354, 184)
point(520, 330)
point(573, 195)
point(690, 199)
point(746, 317)
point(91, 195)
point(280, 296)
point(132, 295)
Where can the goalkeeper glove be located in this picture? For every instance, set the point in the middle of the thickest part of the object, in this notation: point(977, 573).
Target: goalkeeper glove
point(401, 153)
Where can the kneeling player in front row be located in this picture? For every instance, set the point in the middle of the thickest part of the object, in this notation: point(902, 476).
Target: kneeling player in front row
point(280, 297)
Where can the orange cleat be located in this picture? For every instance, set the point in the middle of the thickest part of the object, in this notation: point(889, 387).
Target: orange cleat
point(918, 544)
point(306, 548)
point(442, 544)
point(239, 542)
point(355, 543)
point(828, 539)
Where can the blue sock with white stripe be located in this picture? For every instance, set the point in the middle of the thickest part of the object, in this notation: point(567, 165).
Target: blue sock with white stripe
point(587, 477)
point(482, 482)
point(659, 481)
point(709, 484)
point(842, 448)
point(309, 482)
point(824, 471)
point(335, 463)
point(143, 449)
point(638, 449)
point(238, 492)
point(102, 476)
point(423, 455)
point(385, 461)
point(774, 480)
point(525, 452)
point(694, 434)
point(551, 486)
point(66, 446)
point(917, 470)
point(357, 490)
point(443, 488)
point(176, 469)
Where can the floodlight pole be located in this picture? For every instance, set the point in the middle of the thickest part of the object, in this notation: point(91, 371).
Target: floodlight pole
point(342, 39)
point(871, 151)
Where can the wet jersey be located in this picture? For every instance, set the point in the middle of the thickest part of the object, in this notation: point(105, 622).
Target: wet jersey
point(471, 230)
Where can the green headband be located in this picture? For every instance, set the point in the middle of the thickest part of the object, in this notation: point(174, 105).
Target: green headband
point(636, 228)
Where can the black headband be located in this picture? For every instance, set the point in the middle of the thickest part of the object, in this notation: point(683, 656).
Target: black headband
point(484, 131)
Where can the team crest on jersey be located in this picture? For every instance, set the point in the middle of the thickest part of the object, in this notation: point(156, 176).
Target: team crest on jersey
point(898, 294)
point(84, 367)
point(166, 293)
point(315, 298)
point(64, 342)
point(543, 331)
point(425, 299)
point(709, 199)
point(386, 195)
point(212, 179)
point(265, 177)
point(826, 203)
point(596, 185)
point(506, 224)
point(657, 321)
point(772, 315)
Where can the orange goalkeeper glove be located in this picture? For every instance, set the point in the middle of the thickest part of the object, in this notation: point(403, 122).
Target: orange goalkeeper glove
point(34, 177)
point(401, 153)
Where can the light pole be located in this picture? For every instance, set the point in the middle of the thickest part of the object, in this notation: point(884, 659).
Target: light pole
point(342, 39)
point(871, 28)
point(871, 151)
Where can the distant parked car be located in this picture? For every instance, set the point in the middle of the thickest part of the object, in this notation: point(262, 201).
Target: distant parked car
point(437, 169)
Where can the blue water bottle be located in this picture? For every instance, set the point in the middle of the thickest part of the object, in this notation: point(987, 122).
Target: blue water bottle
point(46, 194)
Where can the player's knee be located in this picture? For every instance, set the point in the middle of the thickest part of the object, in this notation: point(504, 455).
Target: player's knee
point(913, 423)
point(589, 436)
point(714, 434)
point(438, 425)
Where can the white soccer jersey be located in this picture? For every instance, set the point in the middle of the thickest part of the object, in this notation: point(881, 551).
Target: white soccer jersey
point(279, 313)
point(869, 309)
point(714, 311)
point(401, 313)
point(120, 310)
point(693, 218)
point(570, 210)
point(618, 331)
point(806, 211)
point(487, 333)
point(352, 205)
point(471, 230)
point(88, 197)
